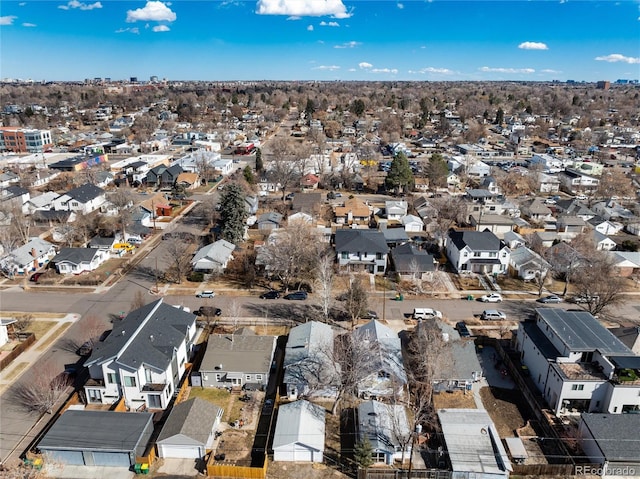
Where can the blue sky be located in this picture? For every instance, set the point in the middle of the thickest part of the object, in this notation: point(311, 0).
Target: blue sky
point(320, 40)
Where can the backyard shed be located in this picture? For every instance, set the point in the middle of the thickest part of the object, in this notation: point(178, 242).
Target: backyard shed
point(299, 435)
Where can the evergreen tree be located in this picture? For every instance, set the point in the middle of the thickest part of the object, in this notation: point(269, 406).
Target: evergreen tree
point(363, 452)
point(259, 164)
point(499, 116)
point(357, 107)
point(248, 175)
point(310, 109)
point(233, 213)
point(400, 175)
point(437, 171)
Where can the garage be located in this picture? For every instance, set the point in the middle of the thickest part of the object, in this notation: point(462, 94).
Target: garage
point(97, 438)
point(189, 429)
point(299, 434)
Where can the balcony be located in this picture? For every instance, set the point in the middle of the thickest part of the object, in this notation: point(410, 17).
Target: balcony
point(581, 372)
point(153, 387)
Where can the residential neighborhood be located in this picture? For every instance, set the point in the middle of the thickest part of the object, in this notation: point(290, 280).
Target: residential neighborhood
point(243, 282)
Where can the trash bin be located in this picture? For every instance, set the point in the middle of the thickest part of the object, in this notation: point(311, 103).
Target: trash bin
point(145, 468)
point(401, 298)
point(137, 468)
point(470, 297)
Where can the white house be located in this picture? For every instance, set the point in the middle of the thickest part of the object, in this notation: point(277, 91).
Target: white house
point(395, 210)
point(143, 359)
point(225, 166)
point(412, 224)
point(79, 260)
point(361, 250)
point(477, 252)
point(526, 264)
point(602, 241)
point(299, 434)
point(29, 257)
point(4, 333)
point(577, 364)
point(213, 257)
point(85, 199)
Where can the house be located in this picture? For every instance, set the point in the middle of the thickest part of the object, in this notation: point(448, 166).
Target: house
point(213, 257)
point(626, 262)
point(573, 182)
point(411, 263)
point(602, 241)
point(605, 227)
point(361, 250)
point(421, 185)
point(527, 265)
point(575, 208)
point(309, 366)
point(412, 224)
point(4, 331)
point(513, 240)
point(473, 445)
point(269, 221)
point(79, 260)
point(143, 359)
point(309, 181)
point(384, 375)
point(104, 178)
point(548, 183)
point(299, 434)
point(612, 210)
point(28, 257)
point(84, 199)
point(393, 236)
point(536, 210)
point(236, 360)
point(570, 226)
point(307, 202)
point(610, 444)
point(97, 438)
point(354, 211)
point(497, 224)
point(189, 431)
point(188, 180)
point(386, 428)
point(424, 208)
point(299, 217)
point(577, 364)
point(103, 242)
point(41, 202)
point(224, 166)
point(16, 196)
point(395, 210)
point(251, 204)
point(477, 252)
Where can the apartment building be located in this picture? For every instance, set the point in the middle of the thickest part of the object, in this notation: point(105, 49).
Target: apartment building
point(24, 140)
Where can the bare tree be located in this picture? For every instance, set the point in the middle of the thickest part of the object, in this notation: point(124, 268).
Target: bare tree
point(324, 280)
point(356, 300)
point(283, 166)
point(42, 390)
point(348, 362)
point(540, 279)
point(18, 225)
point(450, 212)
point(179, 259)
point(235, 312)
point(122, 199)
point(22, 322)
point(598, 285)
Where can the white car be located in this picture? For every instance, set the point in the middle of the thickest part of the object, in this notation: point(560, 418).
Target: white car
point(491, 298)
point(426, 313)
point(206, 294)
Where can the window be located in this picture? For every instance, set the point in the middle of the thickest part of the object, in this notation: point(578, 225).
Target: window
point(380, 269)
point(95, 395)
point(147, 375)
point(493, 254)
point(577, 387)
point(258, 377)
point(344, 255)
point(247, 377)
point(378, 255)
point(130, 381)
point(112, 378)
point(154, 401)
point(365, 255)
point(477, 254)
point(217, 377)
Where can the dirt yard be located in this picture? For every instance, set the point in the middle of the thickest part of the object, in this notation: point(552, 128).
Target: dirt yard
point(454, 400)
point(280, 470)
point(506, 408)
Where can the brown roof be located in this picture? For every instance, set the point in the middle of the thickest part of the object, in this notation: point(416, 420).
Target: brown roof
point(357, 208)
point(156, 200)
point(188, 178)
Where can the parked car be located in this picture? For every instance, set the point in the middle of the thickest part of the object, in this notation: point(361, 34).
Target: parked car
point(462, 329)
point(85, 349)
point(370, 315)
point(208, 311)
point(35, 277)
point(491, 298)
point(552, 298)
point(273, 294)
point(206, 294)
point(426, 313)
point(586, 298)
point(296, 295)
point(493, 315)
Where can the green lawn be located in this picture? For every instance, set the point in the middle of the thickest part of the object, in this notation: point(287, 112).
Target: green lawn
point(219, 397)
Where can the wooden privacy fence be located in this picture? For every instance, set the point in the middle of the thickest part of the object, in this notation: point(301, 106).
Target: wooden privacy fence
point(373, 473)
point(230, 470)
point(17, 351)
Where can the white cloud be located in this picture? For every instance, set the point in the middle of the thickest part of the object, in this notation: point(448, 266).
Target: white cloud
point(352, 70)
point(384, 70)
point(400, 6)
point(161, 28)
point(303, 8)
point(152, 11)
point(29, 25)
point(348, 45)
point(72, 4)
point(549, 70)
point(617, 57)
point(134, 30)
point(310, 28)
point(22, 4)
point(330, 68)
point(329, 24)
point(365, 65)
point(8, 20)
point(507, 70)
point(533, 46)
point(441, 71)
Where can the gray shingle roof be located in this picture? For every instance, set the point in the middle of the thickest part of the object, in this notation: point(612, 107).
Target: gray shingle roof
point(99, 430)
point(408, 258)
point(616, 435)
point(476, 240)
point(23, 256)
point(239, 353)
point(153, 331)
point(300, 422)
point(193, 419)
point(85, 193)
point(75, 255)
point(369, 241)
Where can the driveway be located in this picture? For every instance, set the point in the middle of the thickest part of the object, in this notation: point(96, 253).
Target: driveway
point(495, 376)
point(177, 468)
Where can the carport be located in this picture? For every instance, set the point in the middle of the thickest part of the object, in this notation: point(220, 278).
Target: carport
point(97, 438)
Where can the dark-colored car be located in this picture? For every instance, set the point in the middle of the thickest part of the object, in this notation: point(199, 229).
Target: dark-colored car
point(208, 311)
point(370, 315)
point(273, 294)
point(35, 277)
point(296, 295)
point(462, 329)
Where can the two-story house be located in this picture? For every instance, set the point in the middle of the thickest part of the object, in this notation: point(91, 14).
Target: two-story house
point(573, 181)
point(577, 364)
point(354, 211)
point(361, 250)
point(85, 199)
point(477, 252)
point(395, 210)
point(143, 359)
